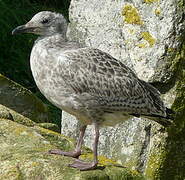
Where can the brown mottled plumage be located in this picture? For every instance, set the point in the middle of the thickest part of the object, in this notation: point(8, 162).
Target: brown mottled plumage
point(88, 83)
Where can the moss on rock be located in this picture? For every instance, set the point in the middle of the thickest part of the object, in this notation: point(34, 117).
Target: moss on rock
point(50, 126)
point(174, 163)
point(157, 154)
point(21, 100)
point(23, 155)
point(7, 113)
point(172, 156)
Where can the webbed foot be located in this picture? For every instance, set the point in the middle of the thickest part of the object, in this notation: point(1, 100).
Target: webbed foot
point(74, 154)
point(83, 166)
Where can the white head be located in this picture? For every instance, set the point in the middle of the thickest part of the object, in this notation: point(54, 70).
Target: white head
point(44, 23)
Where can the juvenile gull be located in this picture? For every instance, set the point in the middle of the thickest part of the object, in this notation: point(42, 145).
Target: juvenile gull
point(87, 83)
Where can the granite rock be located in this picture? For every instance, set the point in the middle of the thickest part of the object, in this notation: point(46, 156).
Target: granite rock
point(147, 35)
point(21, 100)
point(23, 155)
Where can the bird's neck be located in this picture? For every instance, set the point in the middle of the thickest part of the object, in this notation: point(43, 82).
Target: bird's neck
point(54, 38)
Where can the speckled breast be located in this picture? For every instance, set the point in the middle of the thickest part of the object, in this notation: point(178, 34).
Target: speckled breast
point(47, 74)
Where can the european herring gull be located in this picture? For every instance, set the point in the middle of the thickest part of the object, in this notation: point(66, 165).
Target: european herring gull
point(88, 83)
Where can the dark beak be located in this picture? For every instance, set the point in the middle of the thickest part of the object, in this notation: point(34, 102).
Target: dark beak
point(22, 29)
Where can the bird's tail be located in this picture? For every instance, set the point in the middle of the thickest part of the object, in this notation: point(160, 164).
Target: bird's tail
point(164, 121)
point(170, 114)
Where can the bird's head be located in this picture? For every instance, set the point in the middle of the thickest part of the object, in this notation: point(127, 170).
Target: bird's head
point(44, 23)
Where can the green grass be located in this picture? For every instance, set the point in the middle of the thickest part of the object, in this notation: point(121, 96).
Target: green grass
point(15, 50)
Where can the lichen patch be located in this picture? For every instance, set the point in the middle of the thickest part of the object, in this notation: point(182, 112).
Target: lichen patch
point(150, 1)
point(157, 11)
point(131, 15)
point(149, 38)
point(142, 45)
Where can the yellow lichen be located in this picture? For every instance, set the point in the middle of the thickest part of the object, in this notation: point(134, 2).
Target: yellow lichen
point(127, 41)
point(131, 31)
point(170, 50)
point(1, 76)
point(19, 130)
point(102, 160)
point(142, 45)
point(157, 11)
point(150, 1)
point(131, 15)
point(148, 37)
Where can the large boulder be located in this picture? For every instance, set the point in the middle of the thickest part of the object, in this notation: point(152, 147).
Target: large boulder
point(23, 155)
point(148, 36)
point(21, 100)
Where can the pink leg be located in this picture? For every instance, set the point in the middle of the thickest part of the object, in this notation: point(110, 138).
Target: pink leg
point(77, 152)
point(81, 165)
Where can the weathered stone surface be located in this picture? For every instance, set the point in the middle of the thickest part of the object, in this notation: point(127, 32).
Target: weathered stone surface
point(7, 113)
point(50, 126)
point(21, 100)
point(23, 155)
point(148, 37)
point(130, 31)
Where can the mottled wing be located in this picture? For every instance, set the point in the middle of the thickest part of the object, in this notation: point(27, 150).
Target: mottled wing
point(115, 87)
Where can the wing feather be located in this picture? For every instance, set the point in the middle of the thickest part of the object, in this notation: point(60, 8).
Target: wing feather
point(114, 85)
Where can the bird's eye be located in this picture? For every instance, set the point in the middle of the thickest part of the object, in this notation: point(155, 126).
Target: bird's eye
point(44, 21)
